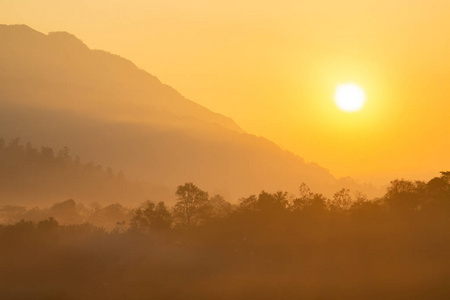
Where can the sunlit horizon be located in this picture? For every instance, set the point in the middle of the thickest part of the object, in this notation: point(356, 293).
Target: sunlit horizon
point(172, 149)
point(279, 69)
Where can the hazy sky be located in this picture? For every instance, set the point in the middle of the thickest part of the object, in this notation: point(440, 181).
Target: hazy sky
point(273, 67)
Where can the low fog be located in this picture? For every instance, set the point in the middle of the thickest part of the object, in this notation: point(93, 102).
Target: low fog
point(268, 246)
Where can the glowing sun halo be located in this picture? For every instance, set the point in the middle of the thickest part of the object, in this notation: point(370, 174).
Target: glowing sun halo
point(349, 97)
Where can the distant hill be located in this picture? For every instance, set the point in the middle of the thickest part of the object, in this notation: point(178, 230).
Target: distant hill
point(30, 175)
point(55, 91)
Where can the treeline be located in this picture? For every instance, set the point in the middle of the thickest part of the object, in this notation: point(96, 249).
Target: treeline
point(31, 175)
point(268, 246)
point(194, 207)
point(70, 212)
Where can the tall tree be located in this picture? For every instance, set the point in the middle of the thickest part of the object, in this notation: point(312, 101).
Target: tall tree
point(193, 205)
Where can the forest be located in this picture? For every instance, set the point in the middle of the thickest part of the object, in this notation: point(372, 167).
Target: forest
point(31, 176)
point(273, 245)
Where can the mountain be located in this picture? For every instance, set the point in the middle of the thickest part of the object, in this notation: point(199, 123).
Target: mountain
point(55, 91)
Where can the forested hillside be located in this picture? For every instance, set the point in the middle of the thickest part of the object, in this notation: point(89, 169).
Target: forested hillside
point(41, 176)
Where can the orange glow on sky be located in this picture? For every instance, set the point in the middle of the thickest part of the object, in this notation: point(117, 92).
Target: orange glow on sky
point(273, 67)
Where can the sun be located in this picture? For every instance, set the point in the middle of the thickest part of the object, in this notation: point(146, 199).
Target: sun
point(349, 97)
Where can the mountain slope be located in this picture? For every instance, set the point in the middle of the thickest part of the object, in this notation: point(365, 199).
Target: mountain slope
point(55, 91)
point(61, 71)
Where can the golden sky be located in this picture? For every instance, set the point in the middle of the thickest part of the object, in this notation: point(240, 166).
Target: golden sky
point(273, 67)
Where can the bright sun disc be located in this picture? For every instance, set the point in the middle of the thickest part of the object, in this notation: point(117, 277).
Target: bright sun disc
point(349, 97)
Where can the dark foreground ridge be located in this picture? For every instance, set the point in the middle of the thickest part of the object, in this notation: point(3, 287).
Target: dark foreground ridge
point(270, 246)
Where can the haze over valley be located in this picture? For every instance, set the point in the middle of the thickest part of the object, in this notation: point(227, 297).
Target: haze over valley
point(57, 92)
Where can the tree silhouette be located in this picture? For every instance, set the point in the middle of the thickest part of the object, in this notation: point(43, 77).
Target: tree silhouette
point(309, 201)
point(192, 207)
point(152, 216)
point(341, 201)
point(220, 208)
point(405, 196)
